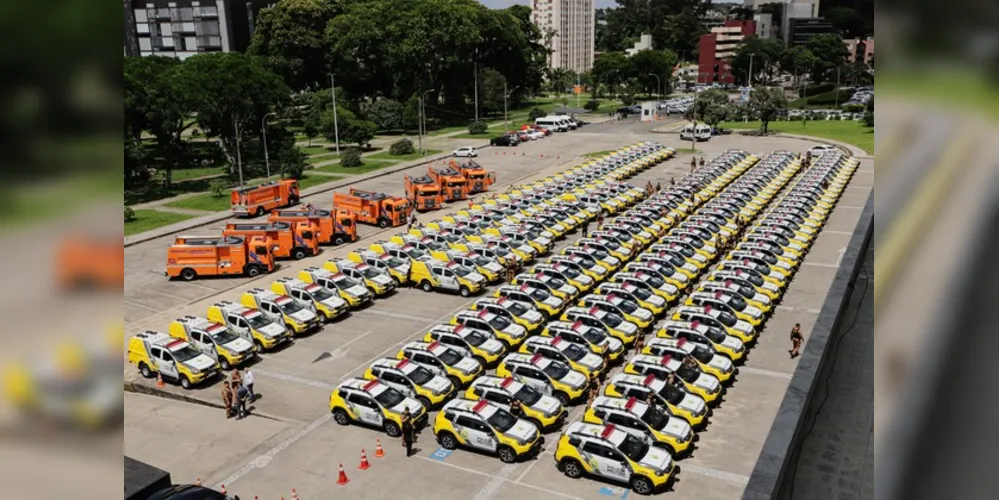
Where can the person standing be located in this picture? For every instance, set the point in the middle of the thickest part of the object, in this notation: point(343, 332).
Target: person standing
point(241, 396)
point(586, 227)
point(796, 340)
point(248, 383)
point(407, 431)
point(702, 161)
point(515, 409)
point(594, 388)
point(658, 187)
point(693, 164)
point(237, 379)
point(227, 398)
point(600, 221)
point(412, 220)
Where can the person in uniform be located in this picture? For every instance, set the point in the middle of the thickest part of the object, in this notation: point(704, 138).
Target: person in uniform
point(408, 436)
point(796, 340)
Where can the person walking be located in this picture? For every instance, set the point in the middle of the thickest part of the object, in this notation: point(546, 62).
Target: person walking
point(241, 396)
point(594, 388)
point(639, 344)
point(702, 161)
point(658, 187)
point(227, 398)
point(407, 431)
point(796, 340)
point(600, 221)
point(586, 227)
point(412, 220)
point(248, 383)
point(672, 181)
point(693, 164)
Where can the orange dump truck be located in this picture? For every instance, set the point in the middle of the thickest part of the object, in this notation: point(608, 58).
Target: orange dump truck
point(193, 256)
point(477, 178)
point(453, 185)
point(335, 226)
point(424, 193)
point(379, 209)
point(290, 239)
point(255, 200)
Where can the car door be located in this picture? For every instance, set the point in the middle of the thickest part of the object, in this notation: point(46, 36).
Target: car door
point(365, 408)
point(239, 326)
point(625, 421)
point(271, 309)
point(476, 433)
point(498, 398)
point(398, 382)
point(606, 461)
point(534, 378)
point(164, 362)
point(204, 343)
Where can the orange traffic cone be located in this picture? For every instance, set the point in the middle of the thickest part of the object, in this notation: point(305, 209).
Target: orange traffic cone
point(294, 494)
point(379, 452)
point(159, 381)
point(364, 461)
point(343, 477)
point(222, 490)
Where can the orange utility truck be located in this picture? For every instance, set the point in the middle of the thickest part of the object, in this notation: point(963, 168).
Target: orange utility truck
point(335, 226)
point(193, 256)
point(477, 178)
point(378, 209)
point(424, 193)
point(291, 239)
point(255, 200)
point(453, 185)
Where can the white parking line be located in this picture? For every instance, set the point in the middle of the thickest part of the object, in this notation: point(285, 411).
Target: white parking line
point(832, 231)
point(473, 471)
point(851, 207)
point(266, 458)
point(394, 315)
point(767, 373)
point(820, 264)
point(136, 304)
point(293, 379)
point(490, 488)
point(798, 309)
point(715, 473)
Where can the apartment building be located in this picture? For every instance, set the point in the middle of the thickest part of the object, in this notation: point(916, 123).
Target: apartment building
point(717, 48)
point(183, 28)
point(568, 27)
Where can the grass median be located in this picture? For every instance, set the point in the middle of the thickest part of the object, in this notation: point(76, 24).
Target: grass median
point(147, 220)
point(848, 131)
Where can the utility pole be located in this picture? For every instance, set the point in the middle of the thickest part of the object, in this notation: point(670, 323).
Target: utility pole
point(506, 95)
point(239, 158)
point(475, 79)
point(263, 128)
point(423, 116)
point(750, 75)
point(336, 126)
point(659, 83)
point(837, 87)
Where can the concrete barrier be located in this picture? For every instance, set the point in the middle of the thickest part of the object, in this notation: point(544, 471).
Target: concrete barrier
point(783, 443)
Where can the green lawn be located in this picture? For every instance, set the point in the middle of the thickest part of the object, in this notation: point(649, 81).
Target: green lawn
point(312, 160)
point(412, 156)
point(851, 132)
point(152, 219)
point(686, 151)
point(184, 174)
point(598, 154)
point(307, 181)
point(484, 137)
point(204, 201)
point(368, 166)
point(317, 150)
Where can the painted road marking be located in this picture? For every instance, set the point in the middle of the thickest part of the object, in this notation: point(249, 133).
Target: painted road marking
point(821, 264)
point(441, 454)
point(480, 473)
point(394, 315)
point(760, 371)
point(715, 473)
point(295, 380)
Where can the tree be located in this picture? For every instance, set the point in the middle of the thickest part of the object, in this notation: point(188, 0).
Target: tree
point(766, 103)
point(387, 114)
point(673, 24)
point(312, 124)
point(289, 36)
point(231, 92)
point(656, 62)
point(611, 69)
point(830, 53)
point(797, 60)
point(157, 100)
point(491, 93)
point(351, 129)
point(765, 55)
point(848, 21)
point(711, 106)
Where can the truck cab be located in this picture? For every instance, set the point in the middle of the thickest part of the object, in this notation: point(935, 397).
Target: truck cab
point(454, 186)
point(328, 304)
point(213, 339)
point(250, 324)
point(334, 227)
point(291, 240)
point(282, 309)
point(477, 178)
point(173, 359)
point(423, 192)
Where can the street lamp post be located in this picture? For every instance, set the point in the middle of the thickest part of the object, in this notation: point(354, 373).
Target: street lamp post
point(422, 117)
point(506, 95)
point(336, 126)
point(659, 86)
point(749, 77)
point(263, 129)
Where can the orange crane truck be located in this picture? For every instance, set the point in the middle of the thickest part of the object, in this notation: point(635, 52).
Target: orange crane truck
point(378, 209)
point(424, 193)
point(255, 200)
point(291, 239)
point(453, 185)
point(336, 226)
point(193, 256)
point(478, 178)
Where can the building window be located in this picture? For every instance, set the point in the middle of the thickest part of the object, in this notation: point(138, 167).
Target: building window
point(141, 28)
point(140, 16)
point(145, 44)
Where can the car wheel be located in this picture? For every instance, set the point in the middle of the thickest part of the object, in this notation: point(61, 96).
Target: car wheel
point(224, 363)
point(339, 240)
point(383, 223)
point(447, 441)
point(298, 254)
point(145, 371)
point(392, 429)
point(455, 381)
point(258, 345)
point(571, 468)
point(426, 286)
point(506, 455)
point(562, 398)
point(185, 382)
point(464, 292)
point(188, 274)
point(425, 402)
point(253, 271)
point(259, 212)
point(481, 360)
point(641, 485)
point(341, 417)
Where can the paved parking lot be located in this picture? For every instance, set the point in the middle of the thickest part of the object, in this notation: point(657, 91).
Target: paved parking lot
point(291, 441)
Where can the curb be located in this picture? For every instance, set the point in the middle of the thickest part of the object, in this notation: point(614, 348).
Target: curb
point(137, 388)
point(322, 188)
point(784, 440)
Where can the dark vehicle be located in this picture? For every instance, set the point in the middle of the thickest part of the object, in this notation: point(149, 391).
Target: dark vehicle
point(504, 140)
point(188, 492)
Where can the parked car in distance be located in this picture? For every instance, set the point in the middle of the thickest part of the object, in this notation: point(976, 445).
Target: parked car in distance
point(504, 140)
point(465, 151)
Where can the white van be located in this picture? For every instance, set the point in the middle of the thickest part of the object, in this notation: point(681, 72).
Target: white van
point(552, 122)
point(687, 134)
point(568, 121)
point(700, 132)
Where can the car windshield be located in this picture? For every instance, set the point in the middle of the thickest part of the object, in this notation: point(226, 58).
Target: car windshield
point(726, 319)
point(290, 307)
point(344, 283)
point(612, 319)
point(715, 335)
point(416, 254)
point(555, 281)
point(594, 336)
point(574, 352)
point(393, 262)
point(736, 303)
point(321, 294)
point(702, 354)
point(258, 321)
point(640, 292)
point(449, 357)
point(421, 376)
point(460, 270)
point(655, 418)
point(671, 394)
point(185, 353)
point(633, 448)
point(611, 244)
point(754, 279)
point(475, 338)
point(688, 374)
point(557, 371)
point(586, 261)
point(370, 272)
point(570, 272)
point(528, 395)
point(516, 308)
point(224, 336)
point(499, 322)
point(598, 253)
point(389, 398)
point(480, 260)
point(539, 294)
point(627, 306)
point(501, 420)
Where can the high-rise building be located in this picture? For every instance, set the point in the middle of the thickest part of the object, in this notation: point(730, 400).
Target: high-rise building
point(183, 28)
point(717, 48)
point(568, 28)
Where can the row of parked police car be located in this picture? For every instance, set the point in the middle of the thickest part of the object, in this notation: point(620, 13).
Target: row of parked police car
point(459, 254)
point(565, 323)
